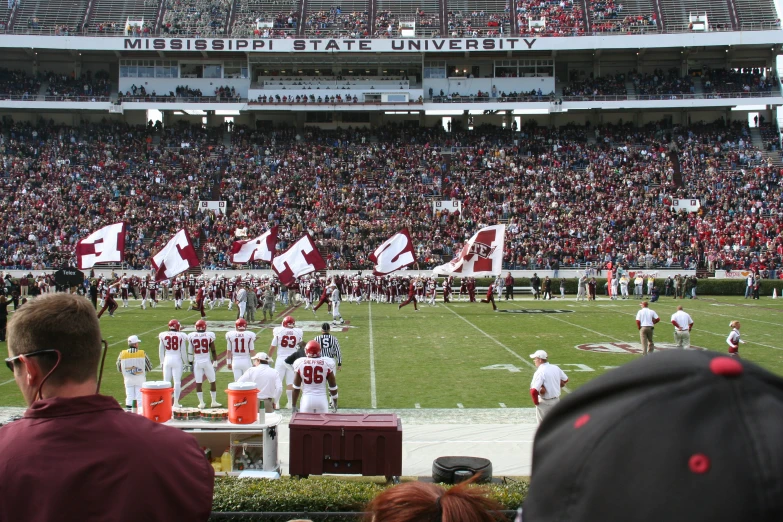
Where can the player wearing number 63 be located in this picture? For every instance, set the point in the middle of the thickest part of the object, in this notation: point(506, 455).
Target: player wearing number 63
point(286, 339)
point(310, 372)
point(202, 343)
point(240, 348)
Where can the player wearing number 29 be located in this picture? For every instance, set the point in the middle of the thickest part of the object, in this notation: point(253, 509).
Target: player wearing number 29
point(240, 348)
point(202, 343)
point(286, 338)
point(173, 350)
point(310, 372)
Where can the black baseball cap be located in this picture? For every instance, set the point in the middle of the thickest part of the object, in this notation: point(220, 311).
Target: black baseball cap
point(677, 436)
point(325, 327)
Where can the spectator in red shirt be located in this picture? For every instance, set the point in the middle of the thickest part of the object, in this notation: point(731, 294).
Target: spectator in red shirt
point(95, 461)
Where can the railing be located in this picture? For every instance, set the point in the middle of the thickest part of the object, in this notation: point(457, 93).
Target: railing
point(619, 97)
point(179, 99)
point(53, 98)
point(674, 29)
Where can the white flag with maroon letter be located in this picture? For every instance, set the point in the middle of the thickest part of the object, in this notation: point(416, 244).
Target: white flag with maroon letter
point(394, 254)
point(105, 245)
point(176, 257)
point(261, 248)
point(300, 259)
point(482, 255)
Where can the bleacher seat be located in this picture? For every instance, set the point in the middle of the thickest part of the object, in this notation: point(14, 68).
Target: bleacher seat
point(478, 18)
point(676, 14)
point(110, 16)
point(424, 14)
point(282, 16)
point(755, 15)
point(630, 16)
point(347, 18)
point(61, 17)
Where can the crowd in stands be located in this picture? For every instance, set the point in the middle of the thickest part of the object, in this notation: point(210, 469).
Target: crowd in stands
point(660, 84)
point(256, 24)
point(477, 24)
point(722, 81)
point(387, 23)
point(611, 85)
point(18, 83)
point(308, 99)
point(335, 22)
point(196, 18)
point(63, 87)
point(607, 17)
point(562, 18)
point(565, 198)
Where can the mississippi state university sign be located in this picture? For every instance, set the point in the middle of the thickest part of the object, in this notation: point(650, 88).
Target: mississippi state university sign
point(635, 348)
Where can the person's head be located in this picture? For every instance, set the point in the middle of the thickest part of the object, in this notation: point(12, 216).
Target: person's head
point(260, 358)
point(133, 341)
point(649, 428)
point(415, 501)
point(325, 328)
point(64, 323)
point(539, 357)
point(644, 304)
point(735, 325)
point(679, 308)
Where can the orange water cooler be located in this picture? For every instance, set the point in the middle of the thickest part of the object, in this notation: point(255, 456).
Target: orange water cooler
point(242, 402)
point(156, 400)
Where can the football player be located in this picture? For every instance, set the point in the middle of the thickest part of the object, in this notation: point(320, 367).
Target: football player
point(310, 372)
point(202, 344)
point(240, 348)
point(173, 350)
point(287, 338)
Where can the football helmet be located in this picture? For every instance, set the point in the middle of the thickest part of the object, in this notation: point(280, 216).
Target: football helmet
point(174, 325)
point(240, 324)
point(313, 349)
point(289, 322)
point(201, 325)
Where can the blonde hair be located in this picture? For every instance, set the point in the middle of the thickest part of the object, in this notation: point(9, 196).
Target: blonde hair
point(66, 322)
point(734, 324)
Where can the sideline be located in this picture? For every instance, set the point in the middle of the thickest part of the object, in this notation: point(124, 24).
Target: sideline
point(373, 395)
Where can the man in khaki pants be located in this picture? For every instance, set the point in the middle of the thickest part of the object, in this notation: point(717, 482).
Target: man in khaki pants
point(682, 328)
point(645, 321)
point(546, 384)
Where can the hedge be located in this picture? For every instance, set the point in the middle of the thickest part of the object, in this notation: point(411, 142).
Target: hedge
point(322, 494)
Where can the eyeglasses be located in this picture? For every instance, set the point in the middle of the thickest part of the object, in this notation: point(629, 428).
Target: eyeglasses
point(9, 362)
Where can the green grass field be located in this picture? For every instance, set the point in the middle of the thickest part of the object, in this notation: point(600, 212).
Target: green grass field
point(462, 354)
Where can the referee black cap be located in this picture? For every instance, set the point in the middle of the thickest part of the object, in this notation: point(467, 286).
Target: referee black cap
point(679, 436)
point(325, 327)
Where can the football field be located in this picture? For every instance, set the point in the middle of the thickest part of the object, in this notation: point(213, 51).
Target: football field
point(458, 355)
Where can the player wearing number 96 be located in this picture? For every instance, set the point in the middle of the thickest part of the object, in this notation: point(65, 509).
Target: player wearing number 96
point(240, 348)
point(286, 338)
point(310, 372)
point(173, 350)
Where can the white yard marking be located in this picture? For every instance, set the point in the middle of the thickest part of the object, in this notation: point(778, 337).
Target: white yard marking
point(502, 404)
point(417, 405)
point(509, 350)
point(373, 395)
point(7, 382)
point(460, 406)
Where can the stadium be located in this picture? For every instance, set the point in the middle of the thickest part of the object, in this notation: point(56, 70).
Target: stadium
point(624, 152)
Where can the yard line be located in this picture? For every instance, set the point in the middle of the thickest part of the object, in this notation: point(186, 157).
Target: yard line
point(502, 404)
point(460, 406)
point(373, 395)
point(417, 405)
point(7, 382)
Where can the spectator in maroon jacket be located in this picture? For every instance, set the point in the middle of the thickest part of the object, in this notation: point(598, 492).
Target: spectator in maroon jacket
point(93, 460)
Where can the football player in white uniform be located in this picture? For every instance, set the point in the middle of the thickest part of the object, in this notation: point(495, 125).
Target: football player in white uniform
point(173, 350)
point(287, 338)
point(310, 372)
point(202, 344)
point(240, 348)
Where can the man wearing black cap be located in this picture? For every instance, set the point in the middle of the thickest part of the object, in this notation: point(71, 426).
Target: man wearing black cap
point(687, 435)
point(646, 319)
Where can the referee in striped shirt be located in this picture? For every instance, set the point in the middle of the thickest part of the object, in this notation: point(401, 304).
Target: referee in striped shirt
point(330, 346)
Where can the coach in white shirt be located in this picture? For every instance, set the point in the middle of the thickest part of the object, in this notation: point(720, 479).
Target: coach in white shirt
point(682, 328)
point(546, 384)
point(645, 321)
point(265, 378)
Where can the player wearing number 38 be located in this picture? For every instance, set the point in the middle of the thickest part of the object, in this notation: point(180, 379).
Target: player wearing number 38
point(310, 372)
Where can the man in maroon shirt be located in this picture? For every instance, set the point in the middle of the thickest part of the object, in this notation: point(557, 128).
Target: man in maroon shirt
point(94, 460)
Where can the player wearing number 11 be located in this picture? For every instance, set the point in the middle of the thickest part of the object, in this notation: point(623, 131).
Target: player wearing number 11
point(240, 348)
point(202, 343)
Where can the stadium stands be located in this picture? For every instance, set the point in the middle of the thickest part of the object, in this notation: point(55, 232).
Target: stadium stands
point(266, 18)
point(110, 16)
point(755, 15)
point(58, 17)
point(676, 14)
point(351, 195)
point(196, 18)
point(423, 15)
point(550, 18)
point(628, 17)
point(478, 18)
point(349, 18)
